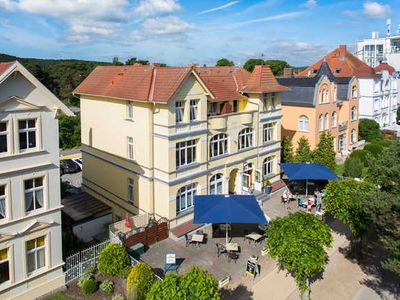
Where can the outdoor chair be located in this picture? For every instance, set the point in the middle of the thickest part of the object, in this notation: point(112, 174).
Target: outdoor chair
point(233, 256)
point(188, 240)
point(220, 249)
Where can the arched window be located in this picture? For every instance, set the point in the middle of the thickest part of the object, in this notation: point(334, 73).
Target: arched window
point(335, 94)
point(216, 182)
point(303, 124)
point(324, 95)
point(184, 197)
point(326, 121)
point(218, 145)
point(245, 138)
point(321, 123)
point(354, 113)
point(333, 120)
point(353, 136)
point(354, 92)
point(268, 166)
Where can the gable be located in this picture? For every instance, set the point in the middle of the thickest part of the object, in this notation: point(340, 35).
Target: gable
point(14, 103)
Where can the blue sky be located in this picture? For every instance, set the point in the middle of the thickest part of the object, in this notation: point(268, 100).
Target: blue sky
point(179, 32)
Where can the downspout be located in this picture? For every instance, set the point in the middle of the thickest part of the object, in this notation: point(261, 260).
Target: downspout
point(153, 109)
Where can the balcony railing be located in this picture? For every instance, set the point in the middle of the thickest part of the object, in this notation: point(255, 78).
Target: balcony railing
point(342, 126)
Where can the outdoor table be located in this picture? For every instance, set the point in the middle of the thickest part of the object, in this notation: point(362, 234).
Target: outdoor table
point(232, 247)
point(255, 237)
point(197, 238)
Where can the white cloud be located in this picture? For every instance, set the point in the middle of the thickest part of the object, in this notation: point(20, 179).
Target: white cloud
point(149, 8)
point(310, 4)
point(376, 10)
point(272, 18)
point(165, 25)
point(229, 4)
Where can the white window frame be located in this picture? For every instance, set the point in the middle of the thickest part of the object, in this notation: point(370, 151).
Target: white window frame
point(354, 93)
point(26, 132)
point(35, 251)
point(185, 157)
point(4, 198)
point(218, 145)
point(7, 260)
point(321, 123)
point(5, 133)
point(179, 111)
point(326, 121)
point(34, 189)
point(268, 166)
point(130, 148)
point(131, 191)
point(334, 120)
point(353, 114)
point(268, 132)
point(273, 100)
point(245, 138)
point(304, 123)
point(185, 193)
point(353, 136)
point(129, 111)
point(216, 184)
point(194, 109)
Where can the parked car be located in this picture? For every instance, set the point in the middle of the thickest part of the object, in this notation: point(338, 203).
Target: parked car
point(79, 162)
point(68, 166)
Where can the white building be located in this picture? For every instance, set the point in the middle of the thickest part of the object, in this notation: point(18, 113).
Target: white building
point(30, 208)
point(376, 49)
point(379, 97)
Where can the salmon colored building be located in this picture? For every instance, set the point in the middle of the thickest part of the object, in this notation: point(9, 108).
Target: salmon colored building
point(324, 97)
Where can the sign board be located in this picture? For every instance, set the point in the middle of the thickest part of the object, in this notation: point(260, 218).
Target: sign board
point(398, 74)
point(251, 268)
point(170, 259)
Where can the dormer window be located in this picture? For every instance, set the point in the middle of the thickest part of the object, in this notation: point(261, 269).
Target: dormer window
point(337, 71)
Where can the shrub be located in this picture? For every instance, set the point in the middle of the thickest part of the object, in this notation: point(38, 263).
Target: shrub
point(107, 286)
point(88, 285)
point(113, 260)
point(374, 148)
point(385, 143)
point(118, 297)
point(139, 281)
point(361, 155)
point(91, 270)
point(369, 130)
point(353, 167)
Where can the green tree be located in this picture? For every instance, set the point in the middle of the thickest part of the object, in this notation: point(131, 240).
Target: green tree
point(139, 281)
point(343, 202)
point(303, 151)
point(325, 153)
point(287, 150)
point(299, 241)
point(224, 62)
point(251, 63)
point(369, 130)
point(277, 66)
point(398, 116)
point(134, 60)
point(353, 167)
point(193, 285)
point(69, 131)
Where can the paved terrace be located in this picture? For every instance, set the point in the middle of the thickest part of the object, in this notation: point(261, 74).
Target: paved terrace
point(206, 255)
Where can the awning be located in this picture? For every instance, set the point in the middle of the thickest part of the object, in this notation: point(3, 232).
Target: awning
point(227, 209)
point(307, 171)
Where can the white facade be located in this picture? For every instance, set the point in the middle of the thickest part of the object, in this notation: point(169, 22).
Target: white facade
point(379, 99)
point(30, 213)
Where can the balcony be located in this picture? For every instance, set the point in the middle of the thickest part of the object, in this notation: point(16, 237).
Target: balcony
point(246, 118)
point(217, 122)
point(342, 126)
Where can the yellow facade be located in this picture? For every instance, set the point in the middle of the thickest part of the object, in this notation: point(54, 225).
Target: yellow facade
point(155, 133)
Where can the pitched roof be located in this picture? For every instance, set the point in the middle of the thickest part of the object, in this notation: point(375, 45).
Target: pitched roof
point(384, 66)
point(224, 83)
point(4, 66)
point(262, 80)
point(342, 63)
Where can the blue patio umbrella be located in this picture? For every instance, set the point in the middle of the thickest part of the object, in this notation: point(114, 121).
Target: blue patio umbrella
point(227, 209)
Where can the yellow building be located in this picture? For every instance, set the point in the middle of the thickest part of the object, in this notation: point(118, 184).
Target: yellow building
point(152, 137)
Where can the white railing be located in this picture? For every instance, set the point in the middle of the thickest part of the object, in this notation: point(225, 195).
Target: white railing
point(135, 222)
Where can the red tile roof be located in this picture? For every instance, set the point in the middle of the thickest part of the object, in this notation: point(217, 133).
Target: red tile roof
point(262, 80)
point(155, 83)
point(5, 66)
point(342, 64)
point(384, 66)
point(225, 83)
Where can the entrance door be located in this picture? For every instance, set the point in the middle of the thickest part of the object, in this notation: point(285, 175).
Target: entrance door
point(342, 142)
point(257, 180)
point(247, 181)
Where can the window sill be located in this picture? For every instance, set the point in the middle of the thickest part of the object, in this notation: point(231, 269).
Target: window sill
point(185, 212)
point(246, 149)
point(307, 131)
point(129, 120)
point(187, 167)
point(22, 154)
point(219, 157)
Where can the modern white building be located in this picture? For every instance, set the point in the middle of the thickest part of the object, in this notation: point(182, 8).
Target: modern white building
point(379, 96)
point(376, 49)
point(30, 207)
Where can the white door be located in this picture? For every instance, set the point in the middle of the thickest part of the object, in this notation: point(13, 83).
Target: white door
point(257, 180)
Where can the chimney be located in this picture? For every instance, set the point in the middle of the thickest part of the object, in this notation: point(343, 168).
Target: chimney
point(288, 72)
point(342, 50)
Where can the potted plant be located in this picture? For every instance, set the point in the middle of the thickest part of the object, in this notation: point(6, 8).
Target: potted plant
point(267, 186)
point(264, 251)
